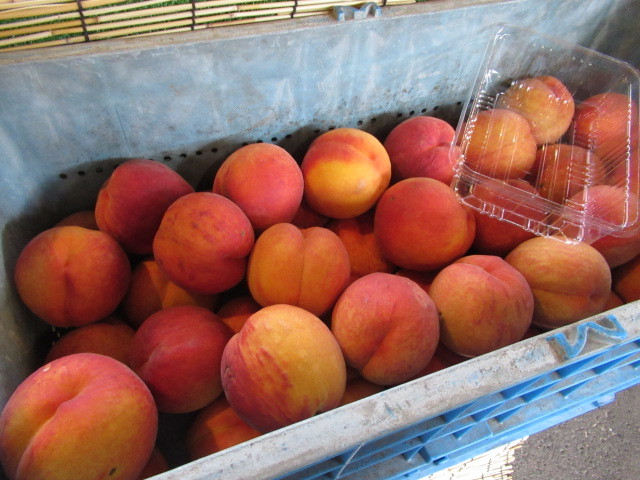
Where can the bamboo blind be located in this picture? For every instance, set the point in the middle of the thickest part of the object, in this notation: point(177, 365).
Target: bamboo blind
point(40, 23)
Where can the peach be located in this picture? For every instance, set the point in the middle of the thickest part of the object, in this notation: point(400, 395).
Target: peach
point(606, 123)
point(442, 358)
point(156, 465)
point(569, 281)
point(423, 279)
point(264, 180)
point(545, 102)
point(362, 246)
point(235, 312)
point(484, 304)
point(151, 290)
point(132, 201)
point(345, 171)
point(81, 416)
point(177, 352)
point(422, 147)
point(203, 243)
point(359, 388)
point(216, 428)
point(83, 218)
point(386, 326)
point(308, 268)
point(420, 224)
point(498, 143)
point(111, 337)
point(307, 217)
point(613, 301)
point(626, 280)
point(283, 367)
point(615, 207)
point(498, 235)
point(563, 170)
point(72, 276)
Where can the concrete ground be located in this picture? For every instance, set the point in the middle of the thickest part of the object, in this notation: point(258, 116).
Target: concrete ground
point(603, 444)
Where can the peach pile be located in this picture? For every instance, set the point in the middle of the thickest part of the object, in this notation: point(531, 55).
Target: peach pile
point(293, 286)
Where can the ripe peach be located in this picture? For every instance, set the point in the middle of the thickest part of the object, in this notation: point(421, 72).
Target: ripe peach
point(420, 224)
point(563, 170)
point(386, 326)
point(177, 353)
point(111, 337)
point(235, 312)
point(423, 279)
point(151, 290)
point(484, 304)
point(498, 235)
point(307, 217)
point(308, 268)
point(545, 102)
point(616, 207)
point(72, 276)
point(499, 143)
point(203, 243)
point(626, 280)
point(606, 123)
point(156, 465)
point(84, 218)
point(422, 147)
point(613, 301)
point(284, 366)
point(345, 171)
point(362, 246)
point(442, 358)
point(359, 388)
point(569, 281)
point(132, 201)
point(264, 180)
point(217, 427)
point(81, 416)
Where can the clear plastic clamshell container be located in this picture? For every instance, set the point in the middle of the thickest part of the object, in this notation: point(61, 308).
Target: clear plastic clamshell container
point(548, 138)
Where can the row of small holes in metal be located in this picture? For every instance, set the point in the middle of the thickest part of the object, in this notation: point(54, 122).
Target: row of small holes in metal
point(64, 176)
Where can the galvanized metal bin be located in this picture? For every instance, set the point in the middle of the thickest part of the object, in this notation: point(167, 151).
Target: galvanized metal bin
point(69, 115)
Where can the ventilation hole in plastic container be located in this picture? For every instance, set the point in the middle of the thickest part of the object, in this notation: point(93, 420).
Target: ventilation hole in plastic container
point(458, 103)
point(373, 120)
point(399, 115)
point(99, 170)
point(63, 176)
point(436, 108)
point(198, 152)
point(412, 112)
point(316, 131)
point(359, 122)
point(259, 141)
point(183, 155)
point(288, 136)
point(167, 158)
point(424, 110)
point(332, 127)
point(81, 172)
point(214, 150)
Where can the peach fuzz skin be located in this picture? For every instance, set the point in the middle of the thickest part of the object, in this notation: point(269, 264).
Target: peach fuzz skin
point(358, 160)
point(235, 312)
point(387, 327)
point(569, 281)
point(111, 337)
point(264, 180)
point(177, 353)
point(483, 303)
point(626, 280)
point(80, 417)
point(151, 291)
point(420, 224)
point(308, 268)
point(203, 243)
point(545, 102)
point(132, 201)
point(71, 276)
point(288, 358)
point(498, 143)
point(422, 147)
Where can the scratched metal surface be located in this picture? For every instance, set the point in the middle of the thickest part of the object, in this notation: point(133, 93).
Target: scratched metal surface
point(68, 115)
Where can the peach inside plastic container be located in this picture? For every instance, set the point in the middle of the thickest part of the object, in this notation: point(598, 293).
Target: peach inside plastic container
point(561, 118)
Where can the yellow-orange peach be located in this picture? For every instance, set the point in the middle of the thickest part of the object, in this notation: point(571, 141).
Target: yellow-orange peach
point(569, 281)
point(78, 417)
point(216, 428)
point(359, 388)
point(626, 280)
point(264, 180)
point(203, 243)
point(308, 267)
point(613, 301)
point(132, 201)
point(151, 290)
point(484, 304)
point(362, 246)
point(345, 171)
point(422, 147)
point(235, 312)
point(83, 218)
point(386, 326)
point(284, 366)
point(72, 276)
point(545, 102)
point(498, 143)
point(156, 465)
point(420, 224)
point(307, 217)
point(177, 353)
point(111, 337)
point(442, 358)
point(423, 279)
